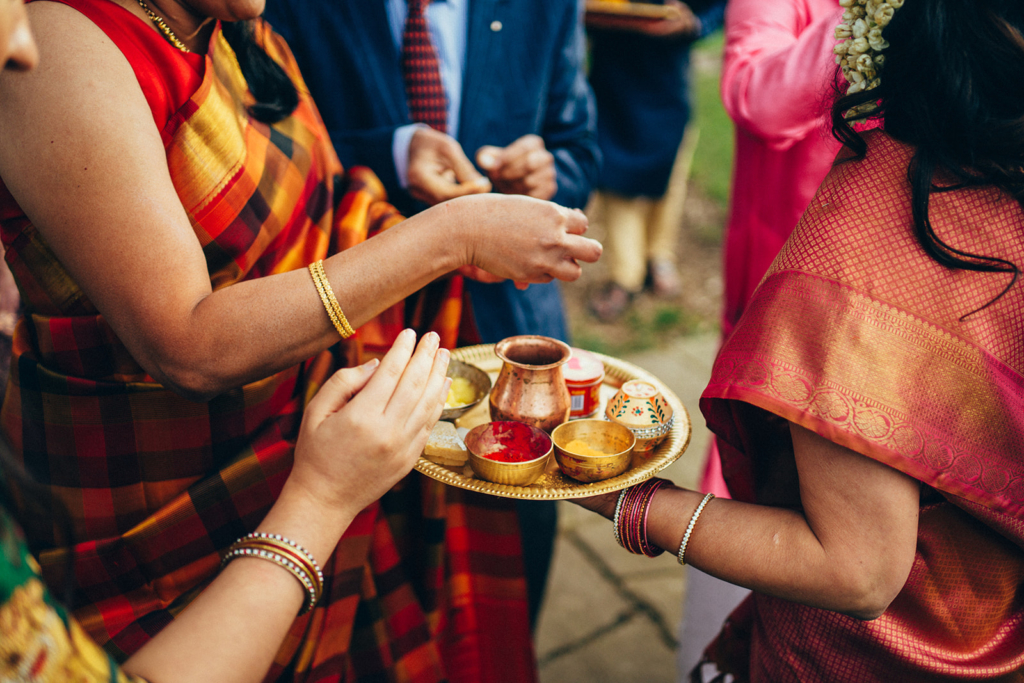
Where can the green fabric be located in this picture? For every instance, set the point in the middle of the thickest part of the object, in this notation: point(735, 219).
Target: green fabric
point(16, 565)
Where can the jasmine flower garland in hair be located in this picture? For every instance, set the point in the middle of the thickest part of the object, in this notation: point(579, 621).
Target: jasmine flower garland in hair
point(859, 52)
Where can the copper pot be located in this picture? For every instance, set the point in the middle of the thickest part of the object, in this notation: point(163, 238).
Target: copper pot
point(530, 387)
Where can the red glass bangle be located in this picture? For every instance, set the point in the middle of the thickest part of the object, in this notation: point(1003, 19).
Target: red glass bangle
point(631, 522)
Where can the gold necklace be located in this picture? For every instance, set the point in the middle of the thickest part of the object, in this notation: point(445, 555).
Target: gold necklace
point(164, 28)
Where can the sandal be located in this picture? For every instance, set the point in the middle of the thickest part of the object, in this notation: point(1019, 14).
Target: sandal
point(610, 302)
point(664, 278)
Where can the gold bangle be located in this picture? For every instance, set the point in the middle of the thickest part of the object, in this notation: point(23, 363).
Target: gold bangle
point(334, 301)
point(321, 289)
point(331, 305)
point(280, 560)
point(312, 594)
point(346, 330)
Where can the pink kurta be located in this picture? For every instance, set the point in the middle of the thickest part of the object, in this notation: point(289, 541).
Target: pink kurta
point(776, 87)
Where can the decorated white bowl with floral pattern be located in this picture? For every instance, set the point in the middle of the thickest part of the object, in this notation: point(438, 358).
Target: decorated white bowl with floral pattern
point(639, 406)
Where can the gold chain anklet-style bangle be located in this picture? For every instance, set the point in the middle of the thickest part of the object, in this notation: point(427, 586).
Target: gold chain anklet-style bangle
point(330, 302)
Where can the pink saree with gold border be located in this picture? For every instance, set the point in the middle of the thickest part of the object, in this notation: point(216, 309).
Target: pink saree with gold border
point(856, 334)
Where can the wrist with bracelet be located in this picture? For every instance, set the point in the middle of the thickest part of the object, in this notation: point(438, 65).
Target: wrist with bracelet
point(630, 520)
point(285, 553)
point(629, 523)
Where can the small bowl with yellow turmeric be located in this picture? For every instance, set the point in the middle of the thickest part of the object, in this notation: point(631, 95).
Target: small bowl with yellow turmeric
point(592, 450)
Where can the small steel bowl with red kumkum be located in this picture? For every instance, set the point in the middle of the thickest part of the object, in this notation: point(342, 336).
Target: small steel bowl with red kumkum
point(508, 452)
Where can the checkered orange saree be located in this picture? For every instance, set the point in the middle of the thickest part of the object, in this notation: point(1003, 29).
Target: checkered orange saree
point(425, 586)
point(857, 334)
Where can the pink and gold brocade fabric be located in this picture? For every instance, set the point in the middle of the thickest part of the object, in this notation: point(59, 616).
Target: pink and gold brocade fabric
point(856, 334)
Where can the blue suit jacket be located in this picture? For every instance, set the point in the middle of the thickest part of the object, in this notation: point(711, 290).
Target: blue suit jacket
point(525, 78)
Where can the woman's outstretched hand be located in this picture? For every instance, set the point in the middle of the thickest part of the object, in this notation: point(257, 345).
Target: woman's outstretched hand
point(367, 425)
point(520, 238)
point(360, 434)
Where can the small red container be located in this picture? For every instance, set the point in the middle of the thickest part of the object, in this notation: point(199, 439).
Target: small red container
point(584, 373)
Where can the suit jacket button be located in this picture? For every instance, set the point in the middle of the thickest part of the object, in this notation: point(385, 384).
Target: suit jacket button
point(495, 26)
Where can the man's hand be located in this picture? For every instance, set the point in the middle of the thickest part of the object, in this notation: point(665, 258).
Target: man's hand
point(524, 167)
point(439, 170)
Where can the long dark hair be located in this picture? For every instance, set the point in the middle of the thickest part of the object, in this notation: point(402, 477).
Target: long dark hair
point(952, 87)
point(274, 92)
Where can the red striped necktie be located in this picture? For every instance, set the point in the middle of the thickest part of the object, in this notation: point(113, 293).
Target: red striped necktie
point(421, 70)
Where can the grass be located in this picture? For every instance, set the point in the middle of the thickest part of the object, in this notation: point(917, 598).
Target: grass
point(655, 322)
point(712, 162)
point(643, 327)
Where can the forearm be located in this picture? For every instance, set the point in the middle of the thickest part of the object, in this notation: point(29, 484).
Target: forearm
point(768, 550)
point(360, 434)
point(233, 630)
point(850, 549)
point(253, 329)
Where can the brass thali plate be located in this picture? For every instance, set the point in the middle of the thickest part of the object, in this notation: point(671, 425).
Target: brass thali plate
point(553, 485)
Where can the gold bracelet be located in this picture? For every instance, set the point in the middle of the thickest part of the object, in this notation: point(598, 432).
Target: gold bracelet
point(331, 305)
point(321, 288)
point(335, 306)
point(334, 301)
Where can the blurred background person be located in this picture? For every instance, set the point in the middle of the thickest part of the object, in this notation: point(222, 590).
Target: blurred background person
point(640, 74)
point(778, 67)
point(777, 70)
point(416, 89)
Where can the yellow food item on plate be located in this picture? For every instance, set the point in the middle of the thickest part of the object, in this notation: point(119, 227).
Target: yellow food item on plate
point(460, 393)
point(445, 447)
point(581, 447)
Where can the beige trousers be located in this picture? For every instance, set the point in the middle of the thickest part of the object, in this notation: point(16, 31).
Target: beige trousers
point(641, 229)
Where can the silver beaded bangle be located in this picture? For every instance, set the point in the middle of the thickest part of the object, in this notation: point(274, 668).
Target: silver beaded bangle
point(287, 554)
point(305, 553)
point(282, 561)
point(615, 519)
point(689, 528)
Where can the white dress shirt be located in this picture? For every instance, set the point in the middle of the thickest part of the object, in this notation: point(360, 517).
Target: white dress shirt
point(447, 21)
